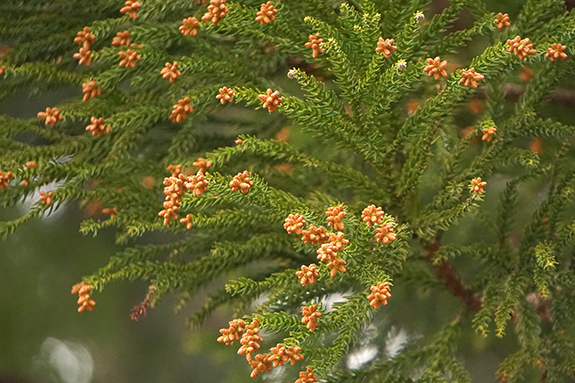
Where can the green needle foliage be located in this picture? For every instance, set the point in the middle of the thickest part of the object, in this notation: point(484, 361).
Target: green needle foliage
point(361, 120)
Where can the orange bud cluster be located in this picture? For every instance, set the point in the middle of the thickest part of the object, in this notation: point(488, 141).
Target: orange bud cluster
point(226, 95)
point(521, 47)
point(187, 220)
point(334, 216)
point(242, 182)
point(372, 215)
point(250, 338)
point(121, 38)
point(476, 185)
point(175, 186)
point(190, 26)
point(278, 356)
point(309, 317)
point(51, 116)
point(266, 13)
point(469, 77)
point(488, 133)
point(97, 127)
point(46, 198)
point(380, 294)
point(502, 20)
point(84, 300)
point(385, 47)
point(181, 110)
point(314, 43)
point(315, 235)
point(436, 68)
point(85, 39)
point(131, 7)
point(308, 274)
point(234, 332)
point(328, 252)
point(556, 52)
point(294, 223)
point(171, 71)
point(4, 179)
point(385, 234)
point(271, 100)
point(307, 377)
point(129, 58)
point(202, 164)
point(91, 89)
point(217, 10)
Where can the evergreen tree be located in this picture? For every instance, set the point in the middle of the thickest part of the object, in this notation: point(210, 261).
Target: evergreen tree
point(353, 175)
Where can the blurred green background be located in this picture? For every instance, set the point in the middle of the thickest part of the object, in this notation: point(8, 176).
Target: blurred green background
point(44, 339)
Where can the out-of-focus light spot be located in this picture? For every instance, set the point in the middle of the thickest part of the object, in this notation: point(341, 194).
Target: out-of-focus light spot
point(66, 362)
point(358, 358)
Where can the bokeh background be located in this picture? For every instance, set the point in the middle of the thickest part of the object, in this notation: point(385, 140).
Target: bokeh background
point(44, 339)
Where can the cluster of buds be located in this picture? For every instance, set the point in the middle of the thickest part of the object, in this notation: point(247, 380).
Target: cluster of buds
point(26, 169)
point(51, 116)
point(385, 47)
point(309, 317)
point(502, 20)
point(271, 100)
point(476, 185)
point(334, 216)
point(379, 294)
point(5, 179)
point(202, 164)
point(469, 77)
point(315, 235)
point(373, 215)
point(521, 47)
point(307, 274)
point(234, 332)
point(187, 220)
point(129, 58)
point(278, 356)
point(250, 340)
point(556, 52)
point(91, 89)
point(171, 71)
point(97, 127)
point(121, 39)
point(307, 377)
point(110, 211)
point(131, 7)
point(85, 39)
point(226, 95)
point(190, 26)
point(181, 110)
point(328, 252)
point(83, 290)
point(385, 233)
point(294, 223)
point(140, 309)
point(314, 43)
point(242, 182)
point(266, 13)
point(175, 186)
point(488, 133)
point(46, 198)
point(435, 67)
point(2, 69)
point(217, 10)
point(248, 335)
